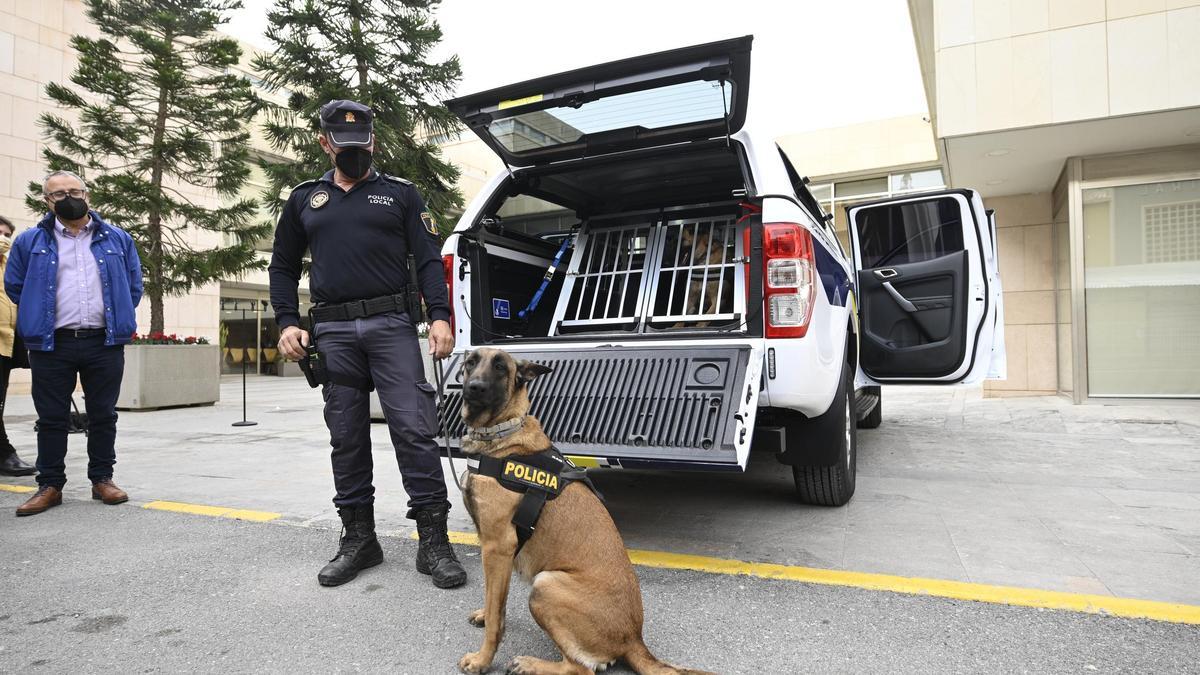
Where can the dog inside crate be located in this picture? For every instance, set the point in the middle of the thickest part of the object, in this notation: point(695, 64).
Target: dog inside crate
point(696, 279)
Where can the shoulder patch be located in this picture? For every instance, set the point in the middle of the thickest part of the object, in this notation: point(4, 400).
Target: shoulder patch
point(397, 179)
point(430, 225)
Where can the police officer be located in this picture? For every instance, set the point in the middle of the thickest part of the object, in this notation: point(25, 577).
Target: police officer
point(360, 227)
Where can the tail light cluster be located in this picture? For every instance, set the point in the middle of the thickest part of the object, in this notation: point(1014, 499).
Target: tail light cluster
point(448, 269)
point(789, 279)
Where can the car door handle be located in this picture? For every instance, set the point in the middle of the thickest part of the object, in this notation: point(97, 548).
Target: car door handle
point(886, 273)
point(900, 299)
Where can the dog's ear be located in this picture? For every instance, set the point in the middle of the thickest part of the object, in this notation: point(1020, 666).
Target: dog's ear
point(528, 370)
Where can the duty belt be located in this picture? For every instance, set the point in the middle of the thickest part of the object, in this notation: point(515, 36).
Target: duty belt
point(358, 309)
point(541, 476)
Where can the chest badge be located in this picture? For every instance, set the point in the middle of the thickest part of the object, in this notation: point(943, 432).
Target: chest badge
point(429, 224)
point(319, 199)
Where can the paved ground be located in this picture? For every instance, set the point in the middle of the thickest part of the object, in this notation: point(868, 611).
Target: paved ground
point(1024, 492)
point(124, 589)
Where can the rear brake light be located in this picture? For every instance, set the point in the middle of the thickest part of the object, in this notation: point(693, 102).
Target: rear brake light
point(788, 279)
point(448, 270)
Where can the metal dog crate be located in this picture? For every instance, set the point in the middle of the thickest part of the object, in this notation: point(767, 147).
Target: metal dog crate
point(645, 275)
point(649, 403)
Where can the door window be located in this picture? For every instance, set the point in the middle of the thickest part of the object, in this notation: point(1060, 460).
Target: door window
point(898, 234)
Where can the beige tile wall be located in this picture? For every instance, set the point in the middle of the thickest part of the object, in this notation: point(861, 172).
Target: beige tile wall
point(1003, 64)
point(35, 50)
point(1026, 251)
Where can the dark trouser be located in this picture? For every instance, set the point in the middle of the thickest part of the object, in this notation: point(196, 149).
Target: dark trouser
point(382, 349)
point(99, 369)
point(5, 369)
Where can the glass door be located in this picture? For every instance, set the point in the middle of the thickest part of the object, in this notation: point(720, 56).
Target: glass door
point(1142, 289)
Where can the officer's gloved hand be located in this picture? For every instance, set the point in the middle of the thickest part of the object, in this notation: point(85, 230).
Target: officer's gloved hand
point(292, 342)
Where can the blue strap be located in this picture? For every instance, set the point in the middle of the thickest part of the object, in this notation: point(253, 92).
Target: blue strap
point(537, 297)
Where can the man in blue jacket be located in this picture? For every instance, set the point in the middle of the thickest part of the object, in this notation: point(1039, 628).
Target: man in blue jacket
point(76, 281)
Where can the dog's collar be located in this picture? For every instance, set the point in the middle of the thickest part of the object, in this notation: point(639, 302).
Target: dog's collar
point(502, 430)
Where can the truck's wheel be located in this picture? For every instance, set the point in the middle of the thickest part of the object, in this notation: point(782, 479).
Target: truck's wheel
point(875, 417)
point(831, 485)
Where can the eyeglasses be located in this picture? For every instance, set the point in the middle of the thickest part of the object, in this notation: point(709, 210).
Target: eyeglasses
point(59, 195)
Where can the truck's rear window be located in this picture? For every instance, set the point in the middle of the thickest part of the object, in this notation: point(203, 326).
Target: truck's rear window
point(671, 105)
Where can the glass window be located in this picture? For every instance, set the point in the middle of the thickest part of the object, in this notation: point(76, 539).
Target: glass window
point(897, 234)
point(861, 188)
point(1142, 289)
point(686, 102)
point(917, 180)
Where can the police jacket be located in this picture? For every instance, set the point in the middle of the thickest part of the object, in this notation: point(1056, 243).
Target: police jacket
point(32, 273)
point(359, 241)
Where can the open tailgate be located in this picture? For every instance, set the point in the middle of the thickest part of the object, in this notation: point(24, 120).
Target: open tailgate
point(640, 407)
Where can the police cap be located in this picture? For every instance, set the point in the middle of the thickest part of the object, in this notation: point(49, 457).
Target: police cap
point(347, 123)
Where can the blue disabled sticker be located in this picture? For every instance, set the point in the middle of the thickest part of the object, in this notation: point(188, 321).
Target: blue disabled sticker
point(500, 309)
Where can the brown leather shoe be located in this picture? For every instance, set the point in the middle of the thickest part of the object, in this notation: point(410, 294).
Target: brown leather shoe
point(108, 492)
point(41, 500)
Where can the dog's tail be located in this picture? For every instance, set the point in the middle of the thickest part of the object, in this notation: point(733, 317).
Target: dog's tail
point(644, 663)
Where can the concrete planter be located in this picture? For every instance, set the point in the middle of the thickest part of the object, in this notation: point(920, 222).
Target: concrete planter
point(376, 408)
point(164, 376)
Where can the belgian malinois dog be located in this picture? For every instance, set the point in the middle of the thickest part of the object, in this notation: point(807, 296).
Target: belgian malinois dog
point(705, 250)
point(585, 594)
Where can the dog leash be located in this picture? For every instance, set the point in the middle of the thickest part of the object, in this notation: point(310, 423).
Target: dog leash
point(440, 380)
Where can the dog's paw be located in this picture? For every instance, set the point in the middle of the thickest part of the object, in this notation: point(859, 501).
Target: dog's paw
point(476, 618)
point(521, 665)
point(474, 663)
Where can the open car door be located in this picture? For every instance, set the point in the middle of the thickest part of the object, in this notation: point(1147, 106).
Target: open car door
point(929, 296)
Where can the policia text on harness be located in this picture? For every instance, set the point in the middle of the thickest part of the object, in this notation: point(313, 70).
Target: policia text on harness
point(541, 476)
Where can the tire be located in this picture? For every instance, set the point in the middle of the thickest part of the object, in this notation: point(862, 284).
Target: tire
point(875, 417)
point(831, 485)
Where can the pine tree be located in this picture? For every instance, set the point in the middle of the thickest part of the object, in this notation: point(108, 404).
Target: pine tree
point(158, 109)
point(375, 52)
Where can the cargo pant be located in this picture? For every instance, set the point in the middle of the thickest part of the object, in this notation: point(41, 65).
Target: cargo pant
point(383, 350)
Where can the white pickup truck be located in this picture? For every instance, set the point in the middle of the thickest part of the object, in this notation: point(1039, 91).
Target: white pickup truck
point(690, 294)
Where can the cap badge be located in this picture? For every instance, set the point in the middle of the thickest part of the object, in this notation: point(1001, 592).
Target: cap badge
point(319, 199)
point(350, 117)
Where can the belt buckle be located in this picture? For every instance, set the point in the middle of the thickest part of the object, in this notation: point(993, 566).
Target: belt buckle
point(358, 305)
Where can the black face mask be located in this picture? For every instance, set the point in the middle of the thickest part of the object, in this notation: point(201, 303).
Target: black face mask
point(354, 163)
point(70, 208)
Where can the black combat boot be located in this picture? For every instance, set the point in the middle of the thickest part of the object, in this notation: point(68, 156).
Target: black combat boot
point(358, 549)
point(435, 557)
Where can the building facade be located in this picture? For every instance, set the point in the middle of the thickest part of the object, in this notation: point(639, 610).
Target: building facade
point(1079, 120)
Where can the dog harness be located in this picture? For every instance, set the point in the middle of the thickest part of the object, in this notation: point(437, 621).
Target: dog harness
point(541, 477)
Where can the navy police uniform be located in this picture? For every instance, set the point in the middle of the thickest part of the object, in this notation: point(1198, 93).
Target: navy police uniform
point(359, 242)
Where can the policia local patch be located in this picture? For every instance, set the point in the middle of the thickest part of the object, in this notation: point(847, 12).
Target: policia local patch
point(427, 219)
point(530, 476)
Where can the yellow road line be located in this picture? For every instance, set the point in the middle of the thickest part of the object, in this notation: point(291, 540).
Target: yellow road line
point(4, 487)
point(940, 588)
point(957, 590)
point(216, 511)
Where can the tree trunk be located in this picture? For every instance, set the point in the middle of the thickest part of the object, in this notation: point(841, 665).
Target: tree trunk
point(360, 64)
point(154, 224)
